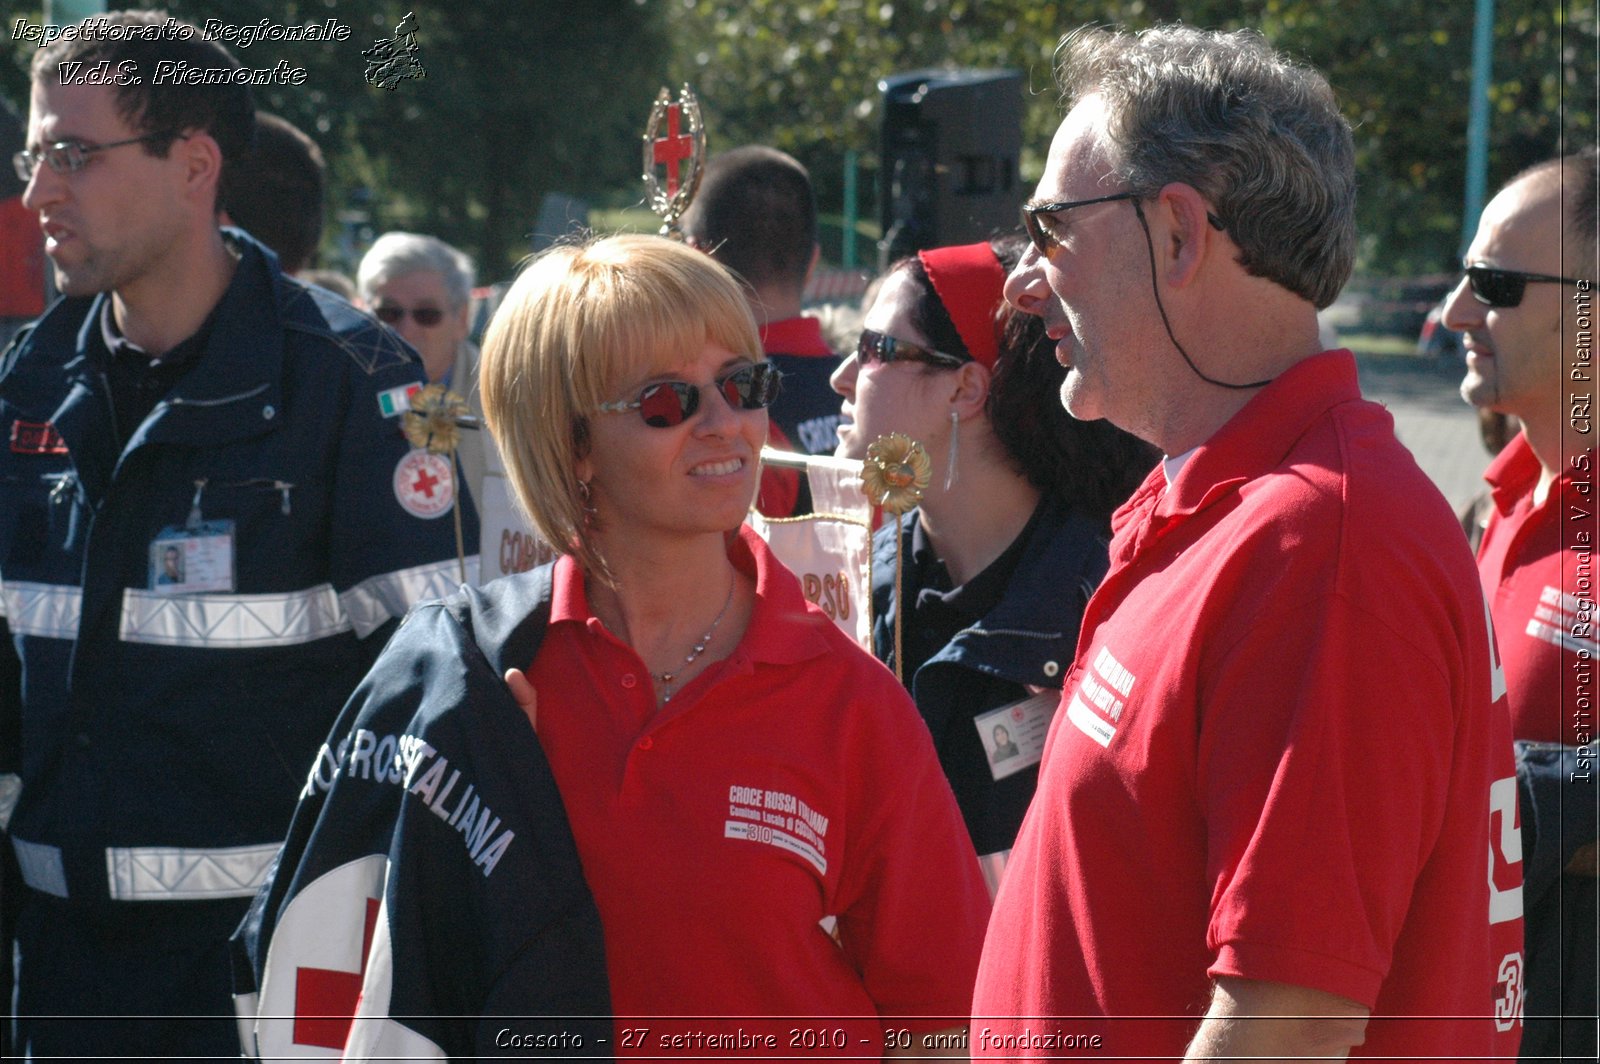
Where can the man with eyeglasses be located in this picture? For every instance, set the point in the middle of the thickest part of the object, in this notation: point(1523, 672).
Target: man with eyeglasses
point(184, 400)
point(1525, 308)
point(1279, 783)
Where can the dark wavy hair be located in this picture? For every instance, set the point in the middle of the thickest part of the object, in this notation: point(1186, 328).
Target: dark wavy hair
point(1092, 465)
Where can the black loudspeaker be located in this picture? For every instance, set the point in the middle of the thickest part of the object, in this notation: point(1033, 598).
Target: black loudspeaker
point(949, 145)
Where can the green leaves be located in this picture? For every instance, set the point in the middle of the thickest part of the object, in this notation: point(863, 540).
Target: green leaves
point(528, 96)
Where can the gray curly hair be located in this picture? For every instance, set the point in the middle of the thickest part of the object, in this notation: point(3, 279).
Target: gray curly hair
point(1258, 135)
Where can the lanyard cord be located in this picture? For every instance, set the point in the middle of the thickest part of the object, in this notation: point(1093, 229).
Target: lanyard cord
point(1150, 247)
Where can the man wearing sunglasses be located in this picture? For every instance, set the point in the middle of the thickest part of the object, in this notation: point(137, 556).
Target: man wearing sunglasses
point(1525, 308)
point(184, 400)
point(1267, 791)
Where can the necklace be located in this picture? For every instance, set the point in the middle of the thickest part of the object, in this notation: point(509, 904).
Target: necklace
point(667, 678)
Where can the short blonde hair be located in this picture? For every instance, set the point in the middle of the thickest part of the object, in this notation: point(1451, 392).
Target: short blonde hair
point(580, 321)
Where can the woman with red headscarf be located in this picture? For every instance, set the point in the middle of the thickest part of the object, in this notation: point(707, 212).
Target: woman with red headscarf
point(1012, 532)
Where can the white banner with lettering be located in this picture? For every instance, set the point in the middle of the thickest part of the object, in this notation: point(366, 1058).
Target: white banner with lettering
point(507, 543)
point(830, 550)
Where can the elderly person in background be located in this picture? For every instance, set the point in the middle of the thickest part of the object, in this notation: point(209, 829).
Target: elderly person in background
point(1010, 539)
point(421, 288)
point(757, 808)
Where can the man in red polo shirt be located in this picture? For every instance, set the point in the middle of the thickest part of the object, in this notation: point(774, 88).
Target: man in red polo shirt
point(1526, 307)
point(1280, 783)
point(756, 214)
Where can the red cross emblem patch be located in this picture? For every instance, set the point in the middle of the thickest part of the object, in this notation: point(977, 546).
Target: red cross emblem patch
point(424, 485)
point(328, 960)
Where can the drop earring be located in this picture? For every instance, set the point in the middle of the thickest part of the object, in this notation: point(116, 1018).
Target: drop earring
point(591, 515)
point(955, 441)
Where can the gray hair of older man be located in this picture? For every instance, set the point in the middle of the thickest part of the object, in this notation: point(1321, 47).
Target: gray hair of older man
point(396, 254)
point(1257, 134)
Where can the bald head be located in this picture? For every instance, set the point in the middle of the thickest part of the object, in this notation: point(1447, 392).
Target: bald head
point(1534, 253)
point(1569, 184)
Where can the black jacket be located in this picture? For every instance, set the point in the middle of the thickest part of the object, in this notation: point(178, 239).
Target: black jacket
point(1029, 638)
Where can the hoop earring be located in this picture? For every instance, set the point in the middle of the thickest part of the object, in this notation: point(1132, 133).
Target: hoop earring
point(591, 515)
point(955, 447)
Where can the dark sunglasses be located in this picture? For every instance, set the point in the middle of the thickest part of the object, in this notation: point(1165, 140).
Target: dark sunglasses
point(876, 347)
point(1040, 221)
point(1503, 288)
point(389, 314)
point(670, 403)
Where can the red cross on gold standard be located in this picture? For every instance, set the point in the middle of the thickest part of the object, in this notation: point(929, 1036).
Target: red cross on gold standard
point(673, 148)
point(325, 1000)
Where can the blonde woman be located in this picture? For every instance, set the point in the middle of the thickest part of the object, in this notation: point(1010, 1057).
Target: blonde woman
point(776, 860)
point(757, 807)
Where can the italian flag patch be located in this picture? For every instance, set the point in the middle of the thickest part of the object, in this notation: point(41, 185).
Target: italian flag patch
point(397, 401)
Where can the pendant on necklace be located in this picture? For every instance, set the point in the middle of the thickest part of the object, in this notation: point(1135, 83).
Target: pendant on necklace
point(665, 678)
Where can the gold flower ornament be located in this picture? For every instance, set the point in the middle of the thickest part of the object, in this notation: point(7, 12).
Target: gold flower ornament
point(430, 424)
point(896, 472)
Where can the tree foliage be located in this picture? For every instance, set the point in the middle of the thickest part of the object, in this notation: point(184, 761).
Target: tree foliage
point(802, 75)
point(528, 96)
point(521, 97)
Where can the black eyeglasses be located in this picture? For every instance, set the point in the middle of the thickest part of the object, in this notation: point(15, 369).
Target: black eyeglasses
point(670, 403)
point(390, 314)
point(1039, 219)
point(874, 346)
point(70, 156)
point(1504, 288)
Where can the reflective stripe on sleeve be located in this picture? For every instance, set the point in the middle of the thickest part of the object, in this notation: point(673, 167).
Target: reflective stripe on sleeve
point(10, 791)
point(174, 873)
point(48, 610)
point(376, 599)
point(41, 866)
point(232, 621)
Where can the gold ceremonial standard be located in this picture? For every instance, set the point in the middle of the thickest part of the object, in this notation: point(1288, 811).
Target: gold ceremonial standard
point(433, 424)
point(682, 144)
point(894, 476)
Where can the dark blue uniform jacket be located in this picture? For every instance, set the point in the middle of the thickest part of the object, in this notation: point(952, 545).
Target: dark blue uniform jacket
point(162, 738)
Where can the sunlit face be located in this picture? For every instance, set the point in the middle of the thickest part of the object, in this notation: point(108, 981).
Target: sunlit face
point(1514, 353)
point(879, 398)
point(120, 219)
point(425, 291)
point(690, 479)
point(1093, 294)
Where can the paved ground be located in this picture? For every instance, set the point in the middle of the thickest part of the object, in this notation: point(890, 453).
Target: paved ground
point(1431, 420)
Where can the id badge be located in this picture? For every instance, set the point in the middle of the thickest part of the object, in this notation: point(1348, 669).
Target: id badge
point(192, 558)
point(1013, 735)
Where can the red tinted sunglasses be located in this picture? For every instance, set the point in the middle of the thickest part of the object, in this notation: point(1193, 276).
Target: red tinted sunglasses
point(670, 403)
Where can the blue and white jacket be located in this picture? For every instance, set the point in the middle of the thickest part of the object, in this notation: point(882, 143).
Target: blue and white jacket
point(429, 903)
